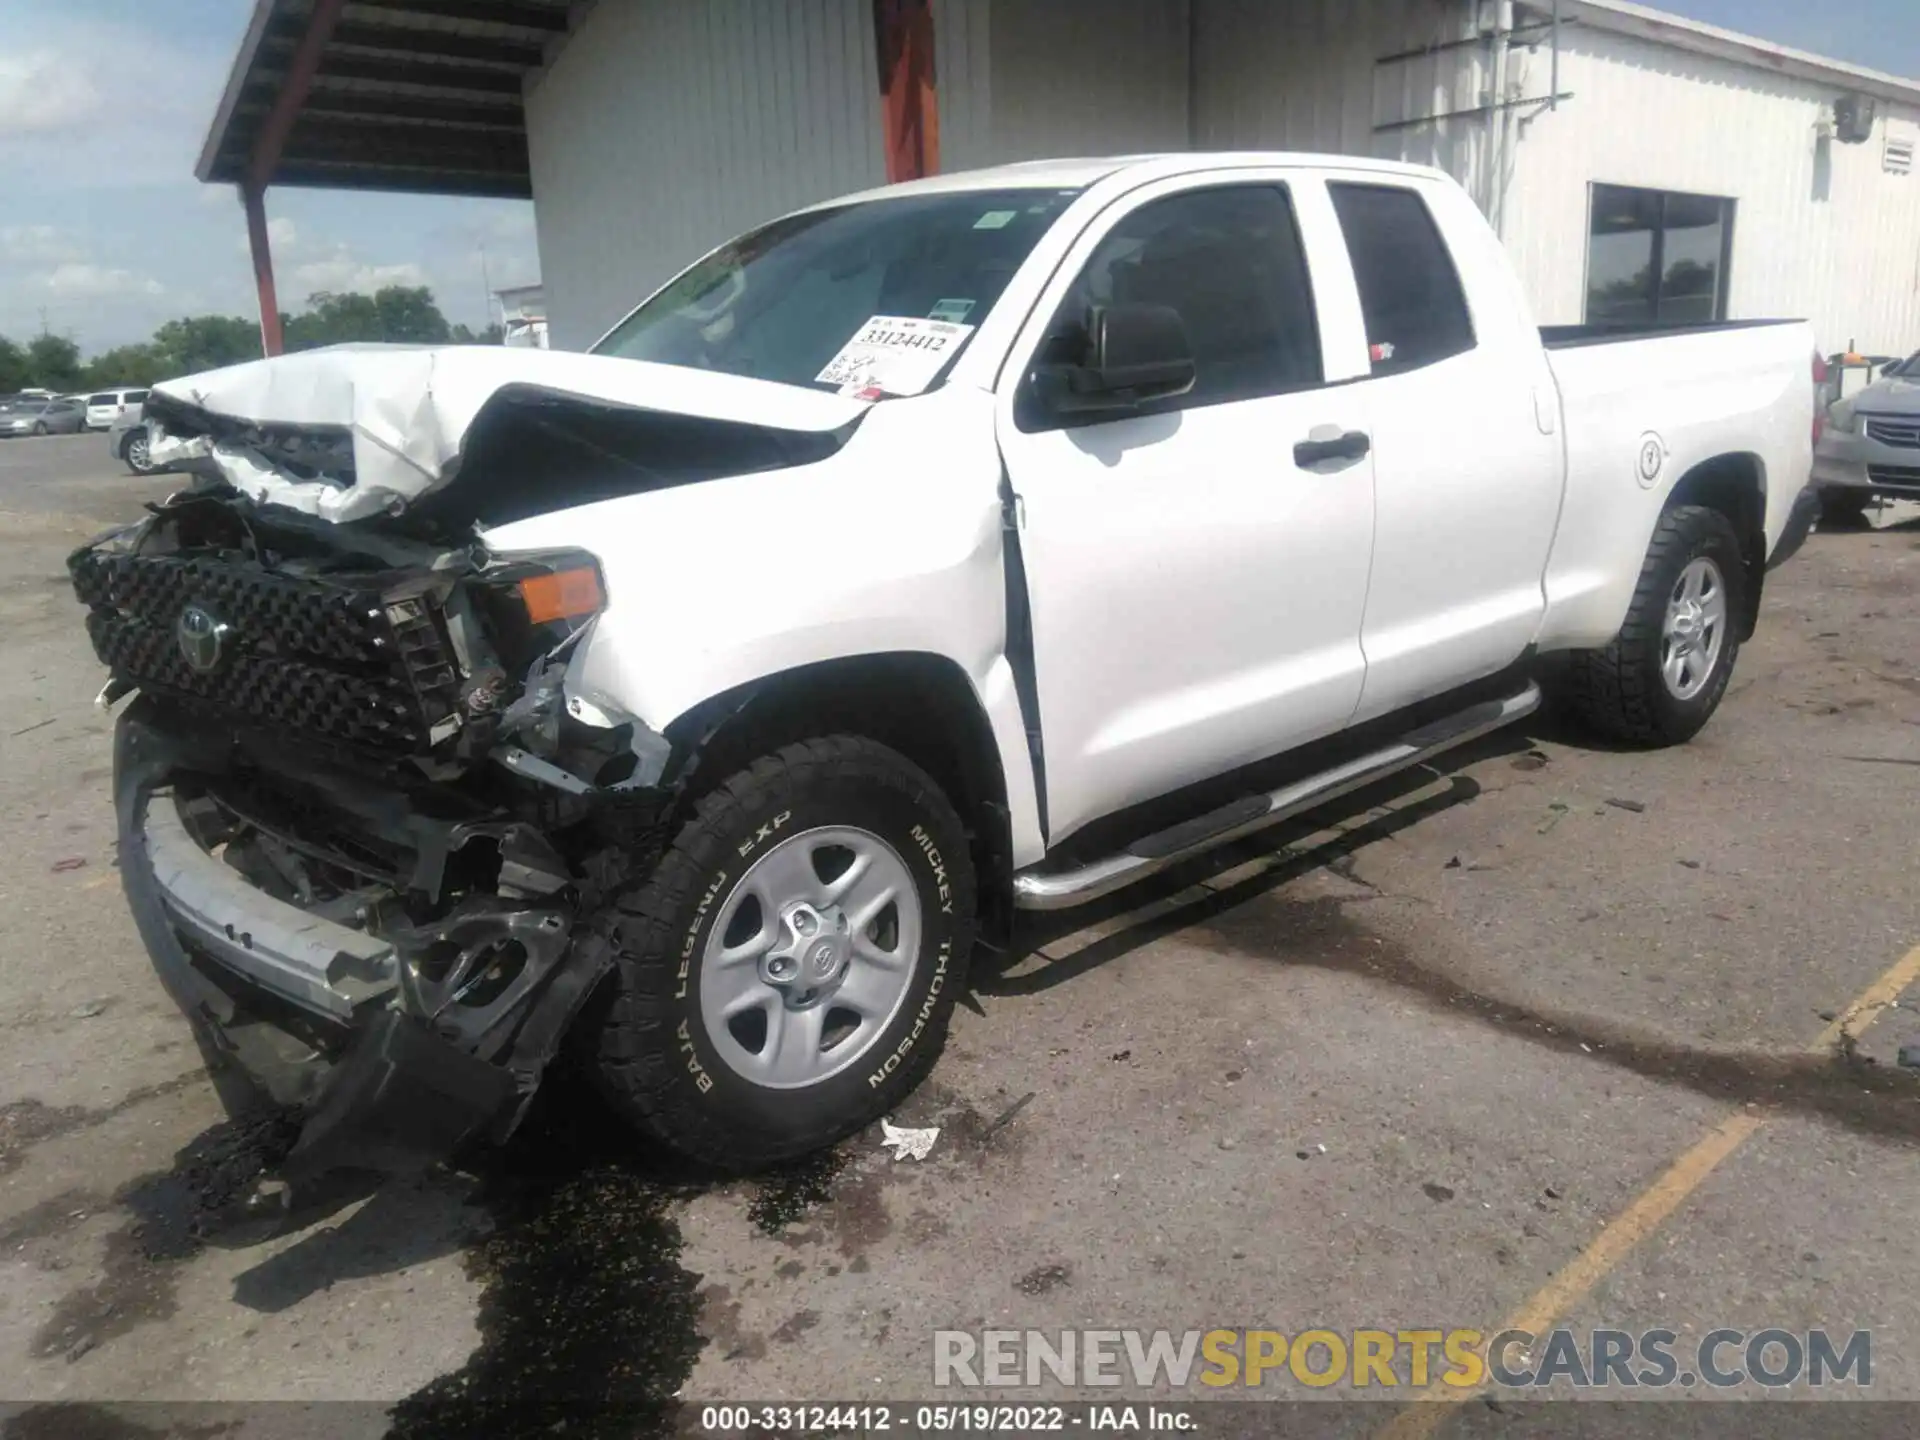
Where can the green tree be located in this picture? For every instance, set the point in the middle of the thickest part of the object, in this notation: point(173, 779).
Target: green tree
point(492, 335)
point(13, 367)
point(399, 314)
point(54, 362)
point(204, 342)
point(125, 365)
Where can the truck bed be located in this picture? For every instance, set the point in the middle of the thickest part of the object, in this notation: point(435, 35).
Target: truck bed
point(1567, 337)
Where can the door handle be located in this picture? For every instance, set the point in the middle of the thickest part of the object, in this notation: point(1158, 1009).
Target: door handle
point(1354, 445)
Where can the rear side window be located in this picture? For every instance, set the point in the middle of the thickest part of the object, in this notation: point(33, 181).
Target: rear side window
point(1410, 293)
point(100, 400)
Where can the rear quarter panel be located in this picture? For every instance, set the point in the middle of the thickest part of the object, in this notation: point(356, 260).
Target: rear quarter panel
point(1638, 416)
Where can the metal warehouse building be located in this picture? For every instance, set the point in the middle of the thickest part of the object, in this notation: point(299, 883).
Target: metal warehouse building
point(1639, 166)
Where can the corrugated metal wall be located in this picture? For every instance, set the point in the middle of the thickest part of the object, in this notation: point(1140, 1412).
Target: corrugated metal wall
point(1087, 77)
point(663, 128)
point(1834, 239)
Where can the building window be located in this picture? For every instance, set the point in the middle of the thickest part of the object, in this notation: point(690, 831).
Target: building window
point(1657, 258)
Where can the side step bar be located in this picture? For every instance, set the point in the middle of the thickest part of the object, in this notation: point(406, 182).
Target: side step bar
point(1034, 890)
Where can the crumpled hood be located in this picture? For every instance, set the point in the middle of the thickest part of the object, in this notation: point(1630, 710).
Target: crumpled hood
point(407, 410)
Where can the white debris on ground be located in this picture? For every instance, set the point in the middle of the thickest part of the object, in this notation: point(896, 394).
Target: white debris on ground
point(908, 1144)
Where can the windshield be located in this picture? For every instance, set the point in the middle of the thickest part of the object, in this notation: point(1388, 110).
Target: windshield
point(1908, 369)
point(785, 301)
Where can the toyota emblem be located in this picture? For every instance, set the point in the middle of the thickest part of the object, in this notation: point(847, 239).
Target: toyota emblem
point(202, 637)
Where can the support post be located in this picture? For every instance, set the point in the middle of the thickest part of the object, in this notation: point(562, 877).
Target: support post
point(254, 199)
point(909, 103)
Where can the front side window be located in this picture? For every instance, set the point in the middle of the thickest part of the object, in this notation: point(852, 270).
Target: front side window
point(1229, 261)
point(1657, 257)
point(1410, 295)
point(135, 397)
point(784, 301)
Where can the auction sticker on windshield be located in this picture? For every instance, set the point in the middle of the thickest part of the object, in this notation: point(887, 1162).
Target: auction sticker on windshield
point(893, 355)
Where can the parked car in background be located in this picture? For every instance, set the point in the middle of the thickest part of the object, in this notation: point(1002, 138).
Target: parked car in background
point(127, 439)
point(42, 417)
point(105, 407)
point(1870, 448)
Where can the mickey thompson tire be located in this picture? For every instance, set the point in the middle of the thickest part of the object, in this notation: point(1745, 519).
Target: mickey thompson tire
point(1626, 691)
point(757, 860)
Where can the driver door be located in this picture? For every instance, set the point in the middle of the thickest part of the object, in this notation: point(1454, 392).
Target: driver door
point(1196, 587)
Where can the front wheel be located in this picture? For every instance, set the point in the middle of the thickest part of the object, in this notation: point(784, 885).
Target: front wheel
point(136, 456)
point(1661, 680)
point(39, 427)
point(786, 974)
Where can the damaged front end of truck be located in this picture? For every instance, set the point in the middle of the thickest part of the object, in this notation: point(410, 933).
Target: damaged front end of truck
point(365, 822)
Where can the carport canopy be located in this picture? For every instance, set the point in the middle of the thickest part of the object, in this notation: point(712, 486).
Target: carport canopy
point(415, 95)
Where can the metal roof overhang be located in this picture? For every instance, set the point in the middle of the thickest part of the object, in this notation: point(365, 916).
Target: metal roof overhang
point(412, 95)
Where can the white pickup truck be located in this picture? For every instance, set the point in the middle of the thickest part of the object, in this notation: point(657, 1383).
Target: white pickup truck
point(977, 544)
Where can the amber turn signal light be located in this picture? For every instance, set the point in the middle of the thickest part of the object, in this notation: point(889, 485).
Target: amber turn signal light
point(563, 595)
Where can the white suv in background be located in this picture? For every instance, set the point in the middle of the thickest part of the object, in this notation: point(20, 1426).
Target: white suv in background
point(104, 407)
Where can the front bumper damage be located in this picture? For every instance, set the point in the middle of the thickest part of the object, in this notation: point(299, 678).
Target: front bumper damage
point(401, 1044)
point(363, 857)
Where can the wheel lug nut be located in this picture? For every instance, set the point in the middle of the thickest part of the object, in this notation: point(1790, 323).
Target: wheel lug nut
point(804, 922)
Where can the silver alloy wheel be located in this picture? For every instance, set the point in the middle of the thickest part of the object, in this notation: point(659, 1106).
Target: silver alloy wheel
point(1696, 629)
point(137, 453)
point(810, 957)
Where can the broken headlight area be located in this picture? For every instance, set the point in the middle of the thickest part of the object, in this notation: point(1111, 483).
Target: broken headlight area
point(361, 814)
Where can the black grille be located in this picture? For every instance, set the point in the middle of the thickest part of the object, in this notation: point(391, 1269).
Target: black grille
point(338, 660)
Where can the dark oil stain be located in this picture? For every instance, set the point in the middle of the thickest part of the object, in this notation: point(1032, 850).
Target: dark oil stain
point(588, 1322)
point(789, 1191)
point(1042, 1278)
point(26, 1123)
point(796, 1325)
point(1436, 1192)
point(172, 1215)
point(50, 1219)
point(721, 1326)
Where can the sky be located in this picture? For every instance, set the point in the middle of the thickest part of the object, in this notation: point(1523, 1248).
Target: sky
point(104, 232)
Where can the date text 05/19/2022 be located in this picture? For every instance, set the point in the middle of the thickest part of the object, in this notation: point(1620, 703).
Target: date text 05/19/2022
point(873, 1418)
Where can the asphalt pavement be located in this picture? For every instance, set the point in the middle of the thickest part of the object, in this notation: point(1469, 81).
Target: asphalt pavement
point(1428, 1060)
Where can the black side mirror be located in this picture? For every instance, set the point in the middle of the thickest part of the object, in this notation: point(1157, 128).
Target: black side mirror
point(1133, 354)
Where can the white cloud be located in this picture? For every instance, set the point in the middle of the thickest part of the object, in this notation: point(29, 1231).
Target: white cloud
point(81, 281)
point(42, 91)
point(282, 235)
point(340, 272)
point(37, 244)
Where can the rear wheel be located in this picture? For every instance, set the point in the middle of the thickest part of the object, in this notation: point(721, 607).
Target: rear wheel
point(786, 974)
point(1661, 680)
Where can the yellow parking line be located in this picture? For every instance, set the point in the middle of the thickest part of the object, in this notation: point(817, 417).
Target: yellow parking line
point(1652, 1206)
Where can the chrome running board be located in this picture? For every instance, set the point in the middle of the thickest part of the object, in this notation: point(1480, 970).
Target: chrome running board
point(1035, 890)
